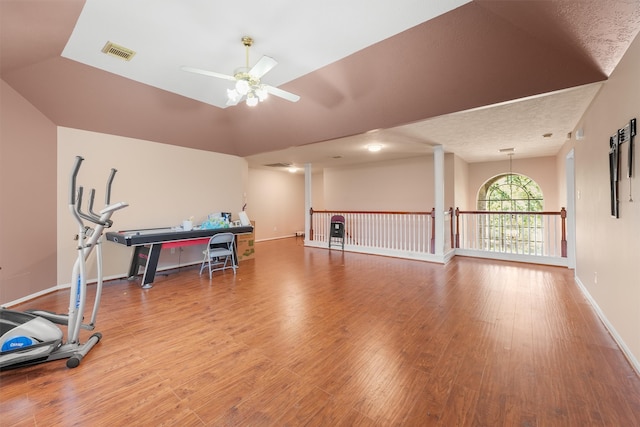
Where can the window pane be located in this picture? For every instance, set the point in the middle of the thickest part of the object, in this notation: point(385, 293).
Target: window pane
point(511, 192)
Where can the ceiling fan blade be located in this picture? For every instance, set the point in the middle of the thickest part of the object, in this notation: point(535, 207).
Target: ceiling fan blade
point(208, 73)
point(263, 66)
point(282, 93)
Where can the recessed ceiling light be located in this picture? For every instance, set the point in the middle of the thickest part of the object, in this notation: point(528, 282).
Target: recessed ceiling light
point(374, 147)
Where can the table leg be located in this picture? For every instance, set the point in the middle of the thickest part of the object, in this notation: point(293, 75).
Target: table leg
point(152, 264)
point(139, 259)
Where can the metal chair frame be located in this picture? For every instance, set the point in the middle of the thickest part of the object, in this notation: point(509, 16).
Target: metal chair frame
point(220, 247)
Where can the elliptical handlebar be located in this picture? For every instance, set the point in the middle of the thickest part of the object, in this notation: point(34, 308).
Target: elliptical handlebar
point(107, 196)
point(97, 218)
point(92, 197)
point(75, 197)
point(74, 175)
point(78, 209)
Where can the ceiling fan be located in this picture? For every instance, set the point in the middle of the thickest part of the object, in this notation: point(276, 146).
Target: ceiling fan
point(247, 80)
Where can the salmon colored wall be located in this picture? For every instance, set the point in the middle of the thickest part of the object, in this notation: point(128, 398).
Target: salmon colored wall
point(28, 198)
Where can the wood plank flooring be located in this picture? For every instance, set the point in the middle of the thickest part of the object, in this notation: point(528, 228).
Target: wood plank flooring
point(307, 336)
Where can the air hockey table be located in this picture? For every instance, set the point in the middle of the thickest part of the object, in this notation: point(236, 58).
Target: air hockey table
point(149, 242)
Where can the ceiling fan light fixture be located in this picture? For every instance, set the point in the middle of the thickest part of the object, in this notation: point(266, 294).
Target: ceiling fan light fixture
point(242, 87)
point(247, 80)
point(233, 95)
point(252, 100)
point(374, 148)
point(261, 93)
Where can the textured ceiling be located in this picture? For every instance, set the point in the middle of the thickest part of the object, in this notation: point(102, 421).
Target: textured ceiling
point(482, 76)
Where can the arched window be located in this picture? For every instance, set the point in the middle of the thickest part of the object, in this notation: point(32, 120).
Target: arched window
point(503, 228)
point(510, 192)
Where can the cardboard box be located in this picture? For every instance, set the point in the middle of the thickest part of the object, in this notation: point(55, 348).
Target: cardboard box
point(246, 244)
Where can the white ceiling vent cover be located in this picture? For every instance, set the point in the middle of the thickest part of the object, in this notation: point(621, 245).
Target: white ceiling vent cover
point(117, 51)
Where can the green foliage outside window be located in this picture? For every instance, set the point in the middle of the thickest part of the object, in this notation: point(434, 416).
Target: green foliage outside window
point(511, 192)
point(511, 232)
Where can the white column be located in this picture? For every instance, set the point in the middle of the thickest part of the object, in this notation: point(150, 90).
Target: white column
point(438, 181)
point(571, 209)
point(307, 200)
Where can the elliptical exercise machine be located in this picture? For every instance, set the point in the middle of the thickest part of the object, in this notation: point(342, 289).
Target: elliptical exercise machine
point(31, 337)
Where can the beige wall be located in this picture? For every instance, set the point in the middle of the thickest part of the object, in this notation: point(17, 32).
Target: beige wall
point(399, 185)
point(449, 181)
point(276, 203)
point(317, 191)
point(27, 198)
point(461, 185)
point(408, 184)
point(608, 249)
point(163, 185)
point(560, 167)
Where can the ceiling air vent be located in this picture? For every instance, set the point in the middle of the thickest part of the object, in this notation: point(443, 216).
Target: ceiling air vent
point(279, 165)
point(113, 49)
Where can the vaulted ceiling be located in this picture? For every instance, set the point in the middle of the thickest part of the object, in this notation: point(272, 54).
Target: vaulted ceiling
point(473, 76)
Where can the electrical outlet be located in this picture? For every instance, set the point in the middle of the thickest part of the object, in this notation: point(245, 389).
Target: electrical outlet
point(595, 277)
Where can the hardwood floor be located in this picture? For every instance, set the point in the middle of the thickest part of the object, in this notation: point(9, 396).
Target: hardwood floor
point(305, 336)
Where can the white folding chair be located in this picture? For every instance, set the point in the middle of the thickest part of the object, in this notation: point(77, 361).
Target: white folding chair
point(219, 253)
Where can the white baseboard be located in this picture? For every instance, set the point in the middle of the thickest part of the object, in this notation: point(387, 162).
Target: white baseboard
point(417, 256)
point(32, 296)
point(287, 236)
point(623, 346)
point(530, 259)
point(91, 281)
